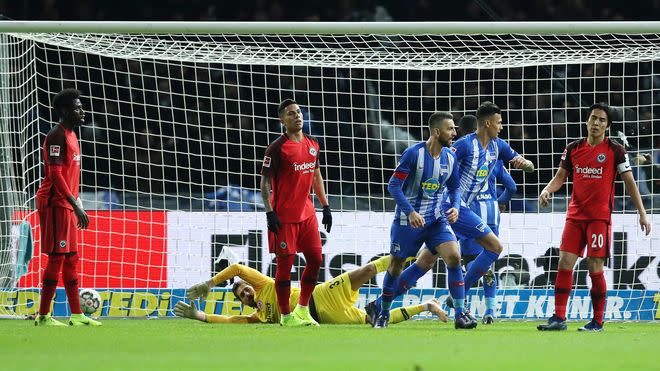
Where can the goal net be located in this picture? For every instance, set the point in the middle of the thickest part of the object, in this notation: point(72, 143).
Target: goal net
point(178, 123)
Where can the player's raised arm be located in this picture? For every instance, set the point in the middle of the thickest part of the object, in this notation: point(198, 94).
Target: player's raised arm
point(247, 274)
point(633, 192)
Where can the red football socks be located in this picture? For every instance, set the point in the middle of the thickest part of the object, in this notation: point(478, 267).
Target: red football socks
point(309, 277)
point(51, 273)
point(598, 295)
point(70, 278)
point(283, 282)
point(563, 286)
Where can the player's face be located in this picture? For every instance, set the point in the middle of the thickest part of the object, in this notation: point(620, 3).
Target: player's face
point(494, 125)
point(246, 295)
point(292, 118)
point(75, 115)
point(597, 123)
point(446, 133)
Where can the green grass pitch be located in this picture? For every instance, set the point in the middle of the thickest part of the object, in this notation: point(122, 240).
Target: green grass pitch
point(171, 344)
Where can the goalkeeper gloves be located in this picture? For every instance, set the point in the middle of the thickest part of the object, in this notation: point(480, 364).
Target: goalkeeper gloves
point(327, 218)
point(273, 222)
point(186, 310)
point(200, 290)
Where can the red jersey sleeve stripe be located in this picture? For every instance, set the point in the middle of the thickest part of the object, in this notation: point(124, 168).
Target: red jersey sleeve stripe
point(400, 175)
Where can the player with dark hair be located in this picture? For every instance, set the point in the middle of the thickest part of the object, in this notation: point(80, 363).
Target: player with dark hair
point(332, 302)
point(477, 155)
point(60, 210)
point(466, 125)
point(593, 163)
point(290, 169)
point(424, 171)
point(487, 205)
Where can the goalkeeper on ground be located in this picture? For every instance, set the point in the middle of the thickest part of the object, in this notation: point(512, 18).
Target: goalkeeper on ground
point(332, 302)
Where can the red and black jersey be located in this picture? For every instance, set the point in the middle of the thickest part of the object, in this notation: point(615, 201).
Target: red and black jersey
point(61, 167)
point(593, 169)
point(291, 166)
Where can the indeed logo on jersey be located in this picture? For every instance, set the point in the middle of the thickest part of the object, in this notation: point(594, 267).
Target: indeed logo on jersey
point(589, 172)
point(305, 167)
point(482, 173)
point(431, 186)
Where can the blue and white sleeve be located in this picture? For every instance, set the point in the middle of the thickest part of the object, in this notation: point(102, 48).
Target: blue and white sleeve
point(504, 178)
point(506, 153)
point(395, 185)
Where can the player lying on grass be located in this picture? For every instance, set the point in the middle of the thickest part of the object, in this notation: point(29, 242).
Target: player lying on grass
point(332, 302)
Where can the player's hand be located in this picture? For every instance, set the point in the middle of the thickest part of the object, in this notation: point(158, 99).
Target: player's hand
point(645, 225)
point(643, 159)
point(520, 162)
point(186, 310)
point(452, 215)
point(544, 197)
point(502, 206)
point(273, 222)
point(200, 290)
point(416, 220)
point(83, 218)
point(327, 218)
point(435, 308)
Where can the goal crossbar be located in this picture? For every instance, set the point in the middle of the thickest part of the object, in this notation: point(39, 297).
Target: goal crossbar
point(343, 28)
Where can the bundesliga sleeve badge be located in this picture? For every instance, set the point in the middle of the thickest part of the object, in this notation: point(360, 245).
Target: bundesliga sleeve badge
point(266, 161)
point(54, 151)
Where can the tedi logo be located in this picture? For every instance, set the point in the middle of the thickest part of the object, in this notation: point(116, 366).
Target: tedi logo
point(589, 170)
point(304, 166)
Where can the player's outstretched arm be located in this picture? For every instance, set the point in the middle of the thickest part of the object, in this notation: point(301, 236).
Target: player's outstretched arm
point(190, 311)
point(555, 184)
point(519, 162)
point(633, 192)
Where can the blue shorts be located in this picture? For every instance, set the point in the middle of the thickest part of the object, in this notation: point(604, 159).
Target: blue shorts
point(471, 247)
point(406, 240)
point(469, 225)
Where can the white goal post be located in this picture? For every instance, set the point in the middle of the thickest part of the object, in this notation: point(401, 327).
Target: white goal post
point(180, 115)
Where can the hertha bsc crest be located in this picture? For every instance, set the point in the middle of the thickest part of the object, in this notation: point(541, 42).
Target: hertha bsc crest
point(282, 245)
point(62, 244)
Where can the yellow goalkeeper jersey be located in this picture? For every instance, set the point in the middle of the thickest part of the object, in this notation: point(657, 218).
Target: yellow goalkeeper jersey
point(265, 297)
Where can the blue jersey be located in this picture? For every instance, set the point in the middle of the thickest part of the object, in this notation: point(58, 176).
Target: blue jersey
point(419, 181)
point(475, 163)
point(486, 204)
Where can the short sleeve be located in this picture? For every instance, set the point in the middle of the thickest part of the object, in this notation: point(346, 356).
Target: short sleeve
point(505, 152)
point(566, 163)
point(56, 147)
point(272, 157)
point(621, 159)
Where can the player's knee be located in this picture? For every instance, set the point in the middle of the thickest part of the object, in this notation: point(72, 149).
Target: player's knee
point(595, 265)
point(453, 260)
point(492, 243)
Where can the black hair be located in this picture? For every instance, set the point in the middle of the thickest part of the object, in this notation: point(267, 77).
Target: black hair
point(602, 106)
point(285, 103)
point(485, 110)
point(64, 100)
point(235, 287)
point(467, 124)
point(438, 117)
